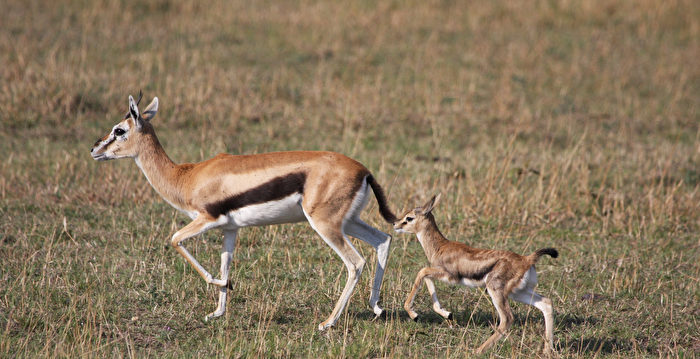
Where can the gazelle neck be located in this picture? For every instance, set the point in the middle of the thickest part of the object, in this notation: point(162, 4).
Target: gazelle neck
point(160, 171)
point(430, 238)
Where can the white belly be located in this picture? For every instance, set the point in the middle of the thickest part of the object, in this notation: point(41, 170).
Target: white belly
point(473, 283)
point(285, 210)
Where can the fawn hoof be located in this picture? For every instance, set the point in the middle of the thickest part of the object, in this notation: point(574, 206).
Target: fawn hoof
point(450, 316)
point(229, 285)
point(549, 351)
point(324, 326)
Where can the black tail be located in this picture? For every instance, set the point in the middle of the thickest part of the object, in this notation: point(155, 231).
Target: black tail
point(388, 215)
point(540, 252)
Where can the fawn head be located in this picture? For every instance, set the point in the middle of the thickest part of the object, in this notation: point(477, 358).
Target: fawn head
point(416, 219)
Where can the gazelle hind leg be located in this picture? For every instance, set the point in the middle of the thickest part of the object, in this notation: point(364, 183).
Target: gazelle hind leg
point(381, 243)
point(505, 316)
point(333, 235)
point(528, 296)
point(226, 255)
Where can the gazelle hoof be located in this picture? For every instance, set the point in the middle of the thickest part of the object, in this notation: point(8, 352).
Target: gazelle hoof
point(213, 315)
point(450, 316)
point(323, 326)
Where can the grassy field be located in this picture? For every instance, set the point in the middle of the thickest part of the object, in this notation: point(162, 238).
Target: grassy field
point(571, 124)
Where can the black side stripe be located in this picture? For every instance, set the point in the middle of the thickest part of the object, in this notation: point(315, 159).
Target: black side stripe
point(479, 275)
point(275, 189)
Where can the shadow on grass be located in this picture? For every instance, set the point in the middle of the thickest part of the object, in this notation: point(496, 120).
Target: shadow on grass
point(599, 345)
point(479, 318)
point(566, 321)
point(488, 319)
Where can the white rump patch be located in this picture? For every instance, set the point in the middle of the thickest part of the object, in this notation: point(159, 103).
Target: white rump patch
point(529, 280)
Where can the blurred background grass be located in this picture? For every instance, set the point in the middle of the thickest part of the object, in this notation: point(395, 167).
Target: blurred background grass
point(571, 124)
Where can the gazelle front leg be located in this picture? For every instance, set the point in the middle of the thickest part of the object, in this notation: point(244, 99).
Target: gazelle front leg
point(424, 274)
point(436, 303)
point(226, 255)
point(200, 225)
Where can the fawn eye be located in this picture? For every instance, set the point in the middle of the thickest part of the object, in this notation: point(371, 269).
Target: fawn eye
point(409, 219)
point(119, 131)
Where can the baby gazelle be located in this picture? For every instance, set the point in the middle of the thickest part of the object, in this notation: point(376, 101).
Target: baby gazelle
point(503, 273)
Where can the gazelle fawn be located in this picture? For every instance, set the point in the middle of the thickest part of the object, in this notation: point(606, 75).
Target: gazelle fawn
point(230, 192)
point(503, 273)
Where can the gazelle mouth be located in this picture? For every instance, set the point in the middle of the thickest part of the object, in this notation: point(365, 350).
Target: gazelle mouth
point(100, 157)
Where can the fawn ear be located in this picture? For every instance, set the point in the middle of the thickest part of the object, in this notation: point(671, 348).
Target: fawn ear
point(428, 206)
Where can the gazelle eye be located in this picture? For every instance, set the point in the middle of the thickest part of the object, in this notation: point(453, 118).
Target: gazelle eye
point(409, 219)
point(119, 132)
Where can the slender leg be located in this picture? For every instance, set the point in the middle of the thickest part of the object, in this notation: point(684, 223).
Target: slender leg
point(226, 256)
point(505, 318)
point(381, 243)
point(423, 274)
point(528, 296)
point(200, 225)
point(333, 235)
point(436, 304)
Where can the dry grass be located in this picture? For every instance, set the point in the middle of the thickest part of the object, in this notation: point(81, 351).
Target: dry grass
point(549, 123)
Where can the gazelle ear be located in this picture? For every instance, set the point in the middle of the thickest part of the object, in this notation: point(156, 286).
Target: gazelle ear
point(428, 206)
point(134, 113)
point(151, 110)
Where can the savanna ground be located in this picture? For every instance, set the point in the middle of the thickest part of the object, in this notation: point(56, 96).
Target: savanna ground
point(571, 124)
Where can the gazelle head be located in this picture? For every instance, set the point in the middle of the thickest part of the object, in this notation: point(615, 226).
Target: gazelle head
point(125, 137)
point(418, 218)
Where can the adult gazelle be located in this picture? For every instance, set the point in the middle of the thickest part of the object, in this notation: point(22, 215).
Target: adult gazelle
point(229, 192)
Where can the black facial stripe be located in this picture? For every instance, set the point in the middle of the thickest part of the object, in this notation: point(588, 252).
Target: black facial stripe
point(112, 139)
point(275, 189)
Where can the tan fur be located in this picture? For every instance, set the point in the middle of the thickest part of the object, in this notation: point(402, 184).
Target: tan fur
point(331, 182)
point(503, 273)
